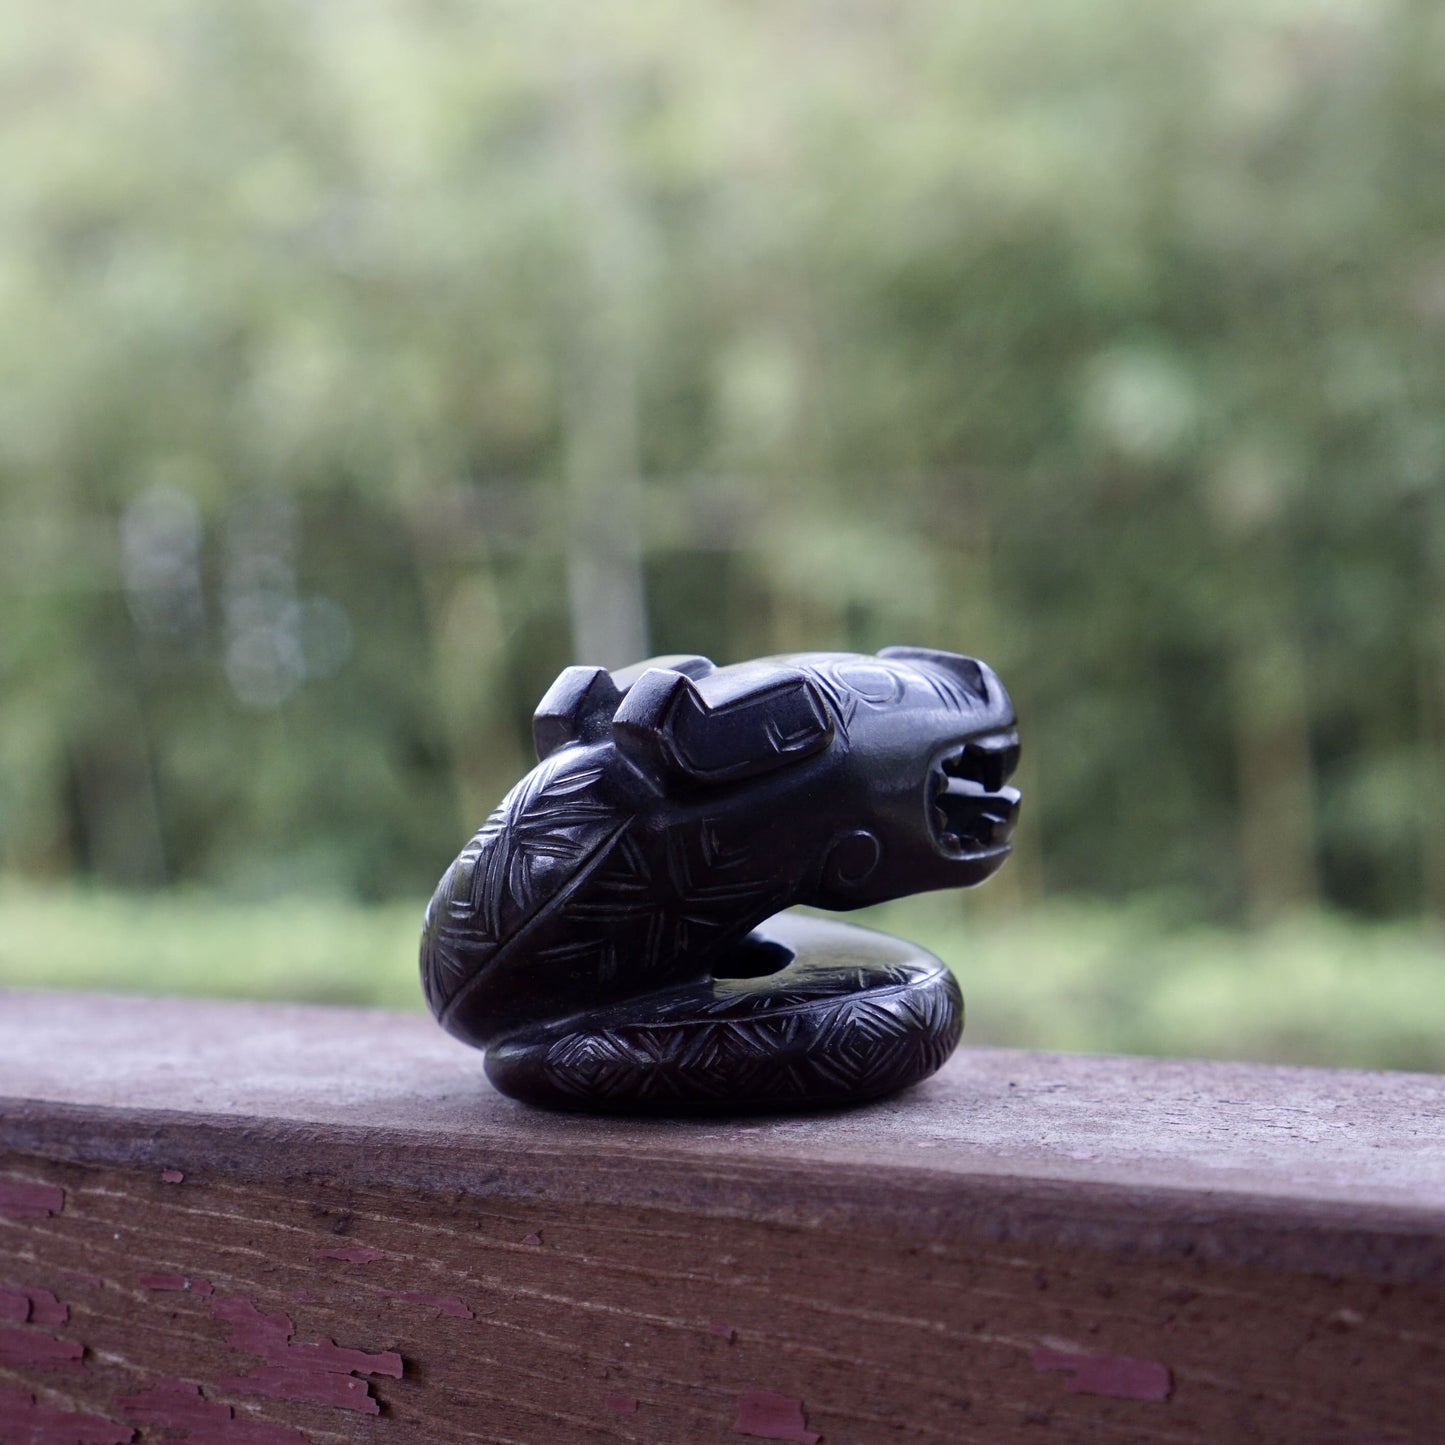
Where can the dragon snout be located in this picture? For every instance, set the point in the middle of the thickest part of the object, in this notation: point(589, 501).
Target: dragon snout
point(971, 808)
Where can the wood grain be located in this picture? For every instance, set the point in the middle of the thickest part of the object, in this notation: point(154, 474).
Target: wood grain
point(248, 1225)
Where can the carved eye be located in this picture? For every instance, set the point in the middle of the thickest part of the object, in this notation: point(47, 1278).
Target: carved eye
point(878, 685)
point(967, 670)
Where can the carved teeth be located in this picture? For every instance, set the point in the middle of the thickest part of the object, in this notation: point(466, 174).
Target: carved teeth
point(987, 761)
point(997, 758)
point(964, 788)
point(970, 808)
point(965, 812)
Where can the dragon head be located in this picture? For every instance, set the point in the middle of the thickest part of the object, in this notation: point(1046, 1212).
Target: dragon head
point(928, 741)
point(865, 777)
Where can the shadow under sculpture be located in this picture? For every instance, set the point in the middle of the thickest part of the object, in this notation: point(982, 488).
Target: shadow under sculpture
point(609, 935)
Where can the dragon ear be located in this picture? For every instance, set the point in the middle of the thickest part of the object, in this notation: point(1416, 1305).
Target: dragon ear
point(577, 707)
point(968, 670)
point(721, 728)
point(687, 663)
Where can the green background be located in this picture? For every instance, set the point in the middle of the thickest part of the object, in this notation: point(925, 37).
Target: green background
point(361, 366)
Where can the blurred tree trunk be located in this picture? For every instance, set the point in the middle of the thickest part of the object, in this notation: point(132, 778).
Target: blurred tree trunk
point(1430, 691)
point(117, 817)
point(602, 462)
point(1431, 685)
point(1274, 765)
point(467, 653)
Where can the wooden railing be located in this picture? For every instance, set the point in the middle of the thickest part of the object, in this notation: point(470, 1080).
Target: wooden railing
point(247, 1225)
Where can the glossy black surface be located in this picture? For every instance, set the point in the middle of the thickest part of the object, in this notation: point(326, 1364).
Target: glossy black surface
point(586, 933)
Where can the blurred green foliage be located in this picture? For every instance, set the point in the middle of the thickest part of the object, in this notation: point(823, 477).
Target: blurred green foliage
point(362, 365)
point(1085, 976)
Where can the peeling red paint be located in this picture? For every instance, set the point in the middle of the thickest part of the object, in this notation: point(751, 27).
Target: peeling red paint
point(440, 1304)
point(30, 1349)
point(314, 1387)
point(175, 1282)
point(172, 1176)
point(178, 1405)
point(533, 1238)
point(322, 1373)
point(336, 1360)
point(252, 1432)
point(173, 1405)
point(252, 1331)
point(30, 1201)
point(1364, 1440)
point(769, 1416)
point(29, 1423)
point(31, 1306)
point(622, 1404)
point(1116, 1376)
point(45, 1309)
point(353, 1254)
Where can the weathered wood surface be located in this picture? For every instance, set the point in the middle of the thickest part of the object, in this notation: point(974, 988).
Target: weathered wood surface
point(247, 1225)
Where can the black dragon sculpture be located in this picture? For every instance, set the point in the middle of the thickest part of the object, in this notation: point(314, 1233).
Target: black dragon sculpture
point(609, 935)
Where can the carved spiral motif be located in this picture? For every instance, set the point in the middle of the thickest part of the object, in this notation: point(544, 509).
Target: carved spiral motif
point(609, 935)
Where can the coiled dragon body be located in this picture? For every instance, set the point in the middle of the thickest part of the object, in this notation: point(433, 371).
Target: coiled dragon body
point(609, 935)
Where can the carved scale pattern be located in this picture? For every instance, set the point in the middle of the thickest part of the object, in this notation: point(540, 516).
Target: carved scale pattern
point(740, 1046)
point(539, 836)
point(648, 916)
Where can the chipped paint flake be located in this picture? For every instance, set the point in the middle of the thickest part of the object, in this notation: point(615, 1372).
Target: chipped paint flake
point(172, 1176)
point(312, 1387)
point(353, 1254)
point(333, 1359)
point(322, 1373)
point(251, 1330)
point(29, 1201)
point(533, 1238)
point(438, 1304)
point(766, 1415)
point(29, 1423)
point(621, 1404)
point(179, 1405)
point(30, 1349)
point(1117, 1376)
point(253, 1432)
point(31, 1306)
point(173, 1405)
point(45, 1309)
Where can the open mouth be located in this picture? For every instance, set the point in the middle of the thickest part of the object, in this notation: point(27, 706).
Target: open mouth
point(970, 807)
